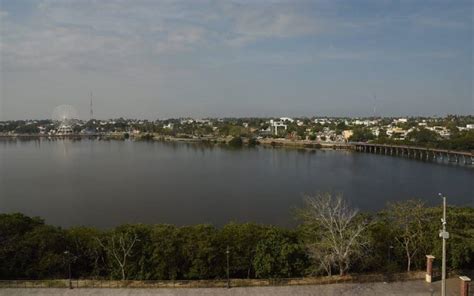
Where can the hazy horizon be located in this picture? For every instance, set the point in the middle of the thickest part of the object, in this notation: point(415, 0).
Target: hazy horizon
point(168, 59)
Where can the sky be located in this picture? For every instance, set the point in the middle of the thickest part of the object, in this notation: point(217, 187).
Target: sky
point(158, 59)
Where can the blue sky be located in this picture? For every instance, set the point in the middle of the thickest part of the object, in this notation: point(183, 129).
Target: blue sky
point(157, 59)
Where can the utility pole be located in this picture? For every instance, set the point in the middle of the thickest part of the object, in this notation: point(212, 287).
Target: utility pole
point(228, 279)
point(444, 235)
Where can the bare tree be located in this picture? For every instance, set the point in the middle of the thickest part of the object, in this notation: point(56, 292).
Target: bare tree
point(338, 228)
point(119, 246)
point(323, 255)
point(408, 222)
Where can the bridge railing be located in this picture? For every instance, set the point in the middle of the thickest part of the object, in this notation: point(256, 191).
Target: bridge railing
point(437, 150)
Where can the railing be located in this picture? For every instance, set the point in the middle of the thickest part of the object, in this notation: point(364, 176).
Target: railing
point(95, 283)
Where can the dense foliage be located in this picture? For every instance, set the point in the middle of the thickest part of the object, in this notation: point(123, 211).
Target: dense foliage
point(31, 249)
point(459, 140)
point(361, 134)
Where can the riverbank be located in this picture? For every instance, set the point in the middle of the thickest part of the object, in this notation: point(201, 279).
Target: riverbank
point(274, 142)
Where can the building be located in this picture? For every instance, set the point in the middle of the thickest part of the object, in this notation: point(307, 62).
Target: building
point(275, 125)
point(64, 130)
point(347, 134)
point(287, 119)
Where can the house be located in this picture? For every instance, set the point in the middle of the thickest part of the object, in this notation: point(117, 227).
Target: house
point(275, 125)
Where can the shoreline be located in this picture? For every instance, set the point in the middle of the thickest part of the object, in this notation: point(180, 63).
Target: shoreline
point(277, 142)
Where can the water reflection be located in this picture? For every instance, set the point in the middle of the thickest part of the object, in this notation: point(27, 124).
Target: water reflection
point(105, 183)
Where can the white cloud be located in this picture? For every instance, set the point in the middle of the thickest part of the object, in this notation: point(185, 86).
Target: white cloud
point(250, 25)
point(94, 33)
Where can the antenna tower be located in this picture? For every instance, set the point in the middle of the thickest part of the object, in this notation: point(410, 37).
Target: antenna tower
point(91, 112)
point(375, 105)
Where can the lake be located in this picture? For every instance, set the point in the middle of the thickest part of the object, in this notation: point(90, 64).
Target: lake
point(106, 183)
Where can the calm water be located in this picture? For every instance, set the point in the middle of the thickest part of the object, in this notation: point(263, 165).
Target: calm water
point(105, 183)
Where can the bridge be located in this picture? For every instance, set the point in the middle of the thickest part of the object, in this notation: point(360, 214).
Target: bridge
point(422, 153)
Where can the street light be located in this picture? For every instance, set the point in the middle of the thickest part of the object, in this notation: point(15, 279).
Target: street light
point(69, 259)
point(444, 235)
point(390, 248)
point(228, 279)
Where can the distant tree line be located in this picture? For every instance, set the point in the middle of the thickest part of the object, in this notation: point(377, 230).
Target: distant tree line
point(459, 140)
point(332, 238)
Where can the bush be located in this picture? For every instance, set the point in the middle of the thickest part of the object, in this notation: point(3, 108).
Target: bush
point(236, 142)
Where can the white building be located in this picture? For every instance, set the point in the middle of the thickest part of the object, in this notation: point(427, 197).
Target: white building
point(64, 130)
point(400, 120)
point(287, 119)
point(275, 125)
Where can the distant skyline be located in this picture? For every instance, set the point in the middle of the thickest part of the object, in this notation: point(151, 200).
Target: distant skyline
point(160, 59)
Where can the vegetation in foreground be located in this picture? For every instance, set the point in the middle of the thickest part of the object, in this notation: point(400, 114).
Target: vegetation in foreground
point(331, 238)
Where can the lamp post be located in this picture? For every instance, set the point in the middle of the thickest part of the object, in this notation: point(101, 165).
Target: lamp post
point(70, 258)
point(444, 235)
point(227, 255)
point(390, 248)
point(68, 255)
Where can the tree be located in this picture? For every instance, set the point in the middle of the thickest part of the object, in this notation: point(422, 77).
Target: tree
point(337, 228)
point(119, 246)
point(409, 223)
point(236, 142)
point(16, 258)
point(423, 136)
point(166, 259)
point(90, 254)
point(278, 254)
point(198, 252)
point(361, 134)
point(242, 240)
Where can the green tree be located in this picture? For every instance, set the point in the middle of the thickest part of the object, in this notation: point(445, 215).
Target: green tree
point(200, 257)
point(279, 254)
point(361, 134)
point(236, 142)
point(242, 240)
point(167, 261)
point(422, 136)
point(91, 258)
